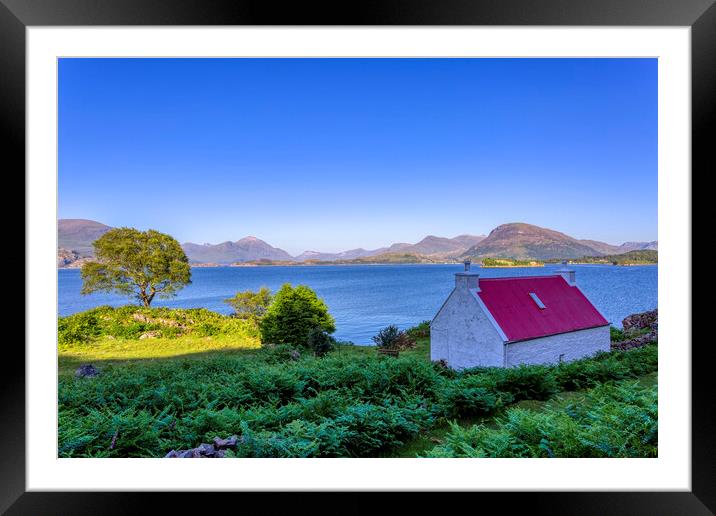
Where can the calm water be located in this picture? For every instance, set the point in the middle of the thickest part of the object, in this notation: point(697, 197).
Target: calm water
point(365, 298)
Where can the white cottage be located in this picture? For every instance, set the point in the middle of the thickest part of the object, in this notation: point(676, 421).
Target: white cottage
point(505, 322)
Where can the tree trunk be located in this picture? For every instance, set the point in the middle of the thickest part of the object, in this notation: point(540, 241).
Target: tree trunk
point(146, 300)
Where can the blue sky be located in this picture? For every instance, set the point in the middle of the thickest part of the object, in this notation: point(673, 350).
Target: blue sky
point(333, 154)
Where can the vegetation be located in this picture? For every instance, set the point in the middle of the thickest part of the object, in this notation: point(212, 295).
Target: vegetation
point(612, 420)
point(320, 342)
point(392, 338)
point(251, 305)
point(174, 392)
point(131, 322)
point(642, 257)
point(293, 314)
point(143, 264)
point(420, 331)
point(509, 262)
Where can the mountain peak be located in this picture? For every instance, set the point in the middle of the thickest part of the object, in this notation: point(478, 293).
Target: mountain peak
point(522, 241)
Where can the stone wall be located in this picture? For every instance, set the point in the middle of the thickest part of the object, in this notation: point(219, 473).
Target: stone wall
point(639, 329)
point(641, 320)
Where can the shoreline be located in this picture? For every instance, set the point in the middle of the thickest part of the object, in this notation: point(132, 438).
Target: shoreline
point(232, 266)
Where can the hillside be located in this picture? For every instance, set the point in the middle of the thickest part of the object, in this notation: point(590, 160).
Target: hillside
point(522, 241)
point(244, 250)
point(78, 234)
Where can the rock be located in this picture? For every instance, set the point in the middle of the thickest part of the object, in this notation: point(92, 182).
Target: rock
point(151, 334)
point(641, 320)
point(295, 355)
point(223, 444)
point(86, 370)
point(206, 450)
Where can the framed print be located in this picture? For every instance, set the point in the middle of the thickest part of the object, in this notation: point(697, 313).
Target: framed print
point(411, 249)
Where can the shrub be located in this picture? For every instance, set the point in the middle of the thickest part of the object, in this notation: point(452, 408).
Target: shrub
point(420, 331)
point(616, 334)
point(320, 342)
point(292, 315)
point(250, 305)
point(387, 337)
point(391, 337)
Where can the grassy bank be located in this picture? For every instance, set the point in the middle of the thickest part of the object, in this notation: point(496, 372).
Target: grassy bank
point(203, 381)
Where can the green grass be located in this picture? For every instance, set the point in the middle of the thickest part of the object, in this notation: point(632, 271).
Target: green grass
point(106, 351)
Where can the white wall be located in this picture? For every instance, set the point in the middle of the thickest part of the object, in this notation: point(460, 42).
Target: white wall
point(462, 334)
point(546, 350)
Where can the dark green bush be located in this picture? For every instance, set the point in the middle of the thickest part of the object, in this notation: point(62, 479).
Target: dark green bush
point(320, 342)
point(292, 315)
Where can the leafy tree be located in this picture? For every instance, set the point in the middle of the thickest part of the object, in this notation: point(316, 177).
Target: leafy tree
point(292, 315)
point(144, 264)
point(251, 305)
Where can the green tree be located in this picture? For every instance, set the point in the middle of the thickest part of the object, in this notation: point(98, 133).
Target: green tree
point(251, 305)
point(292, 315)
point(140, 263)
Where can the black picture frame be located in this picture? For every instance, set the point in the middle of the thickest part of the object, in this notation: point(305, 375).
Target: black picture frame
point(700, 15)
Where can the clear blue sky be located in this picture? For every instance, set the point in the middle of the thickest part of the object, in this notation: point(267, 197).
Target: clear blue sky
point(333, 154)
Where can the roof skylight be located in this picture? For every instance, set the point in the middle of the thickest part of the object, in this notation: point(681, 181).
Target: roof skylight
point(537, 300)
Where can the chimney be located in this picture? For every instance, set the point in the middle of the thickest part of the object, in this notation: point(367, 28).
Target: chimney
point(567, 273)
point(467, 279)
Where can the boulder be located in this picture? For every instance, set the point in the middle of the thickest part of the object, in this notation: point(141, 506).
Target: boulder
point(86, 370)
point(206, 450)
point(223, 444)
point(150, 334)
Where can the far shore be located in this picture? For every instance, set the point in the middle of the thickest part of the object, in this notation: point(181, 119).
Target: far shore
point(333, 264)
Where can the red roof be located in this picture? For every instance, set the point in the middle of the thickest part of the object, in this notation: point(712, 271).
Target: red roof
point(519, 316)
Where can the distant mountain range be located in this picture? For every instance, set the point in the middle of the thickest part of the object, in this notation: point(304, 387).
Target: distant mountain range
point(514, 240)
point(430, 245)
point(522, 241)
point(244, 250)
